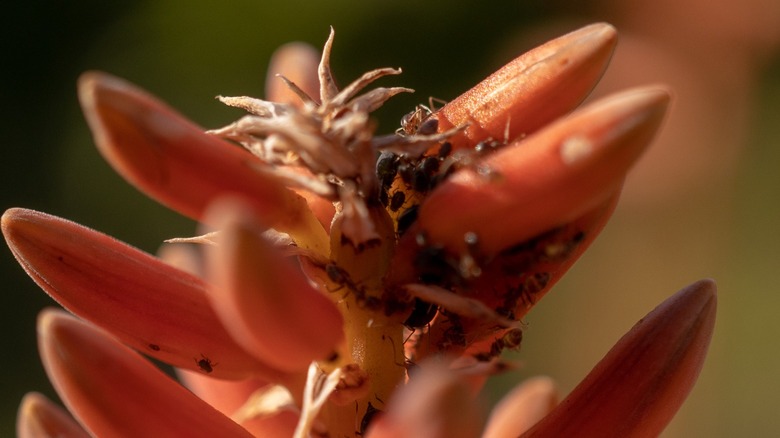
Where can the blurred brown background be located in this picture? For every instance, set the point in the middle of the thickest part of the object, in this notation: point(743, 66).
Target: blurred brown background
point(702, 203)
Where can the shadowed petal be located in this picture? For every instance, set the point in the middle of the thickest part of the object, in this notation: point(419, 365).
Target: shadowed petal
point(229, 396)
point(153, 307)
point(38, 417)
point(298, 63)
point(265, 302)
point(226, 396)
point(532, 90)
point(525, 405)
point(644, 379)
point(175, 162)
point(116, 392)
point(547, 180)
point(434, 404)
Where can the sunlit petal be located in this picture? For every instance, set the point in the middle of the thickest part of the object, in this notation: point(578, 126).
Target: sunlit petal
point(174, 161)
point(642, 382)
point(434, 404)
point(298, 63)
point(265, 302)
point(115, 392)
point(525, 405)
point(548, 179)
point(148, 304)
point(39, 417)
point(532, 90)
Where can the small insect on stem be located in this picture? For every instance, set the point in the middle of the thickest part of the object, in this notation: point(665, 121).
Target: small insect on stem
point(205, 364)
point(368, 417)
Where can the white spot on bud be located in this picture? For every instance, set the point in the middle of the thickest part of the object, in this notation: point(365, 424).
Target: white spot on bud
point(575, 149)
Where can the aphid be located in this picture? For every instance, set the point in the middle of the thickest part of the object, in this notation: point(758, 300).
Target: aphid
point(406, 170)
point(205, 364)
point(420, 180)
point(406, 219)
point(397, 201)
point(445, 150)
point(422, 314)
point(434, 265)
point(336, 274)
point(386, 168)
point(368, 417)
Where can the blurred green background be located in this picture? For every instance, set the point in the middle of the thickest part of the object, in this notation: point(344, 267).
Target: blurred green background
point(704, 205)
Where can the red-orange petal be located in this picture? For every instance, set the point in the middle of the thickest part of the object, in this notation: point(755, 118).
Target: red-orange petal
point(226, 396)
point(435, 403)
point(39, 417)
point(523, 407)
point(297, 62)
point(173, 161)
point(264, 301)
point(636, 389)
point(151, 306)
point(534, 89)
point(114, 391)
point(547, 180)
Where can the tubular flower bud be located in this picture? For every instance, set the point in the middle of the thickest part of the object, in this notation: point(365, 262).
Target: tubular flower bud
point(352, 281)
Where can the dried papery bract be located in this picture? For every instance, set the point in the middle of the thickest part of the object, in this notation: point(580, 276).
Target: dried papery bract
point(644, 379)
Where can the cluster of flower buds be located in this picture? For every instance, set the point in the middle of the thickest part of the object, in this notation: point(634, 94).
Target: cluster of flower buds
point(348, 283)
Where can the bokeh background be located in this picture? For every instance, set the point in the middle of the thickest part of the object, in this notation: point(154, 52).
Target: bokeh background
point(704, 202)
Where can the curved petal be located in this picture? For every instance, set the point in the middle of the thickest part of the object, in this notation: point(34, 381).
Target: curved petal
point(38, 417)
point(231, 396)
point(116, 392)
point(534, 89)
point(298, 62)
point(151, 306)
point(175, 162)
point(266, 303)
point(434, 404)
point(636, 389)
point(226, 396)
point(525, 405)
point(546, 180)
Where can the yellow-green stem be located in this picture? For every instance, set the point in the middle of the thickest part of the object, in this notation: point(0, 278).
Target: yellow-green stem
point(376, 345)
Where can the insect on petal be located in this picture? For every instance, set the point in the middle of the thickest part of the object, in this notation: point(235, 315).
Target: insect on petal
point(151, 306)
point(532, 90)
point(548, 179)
point(114, 391)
